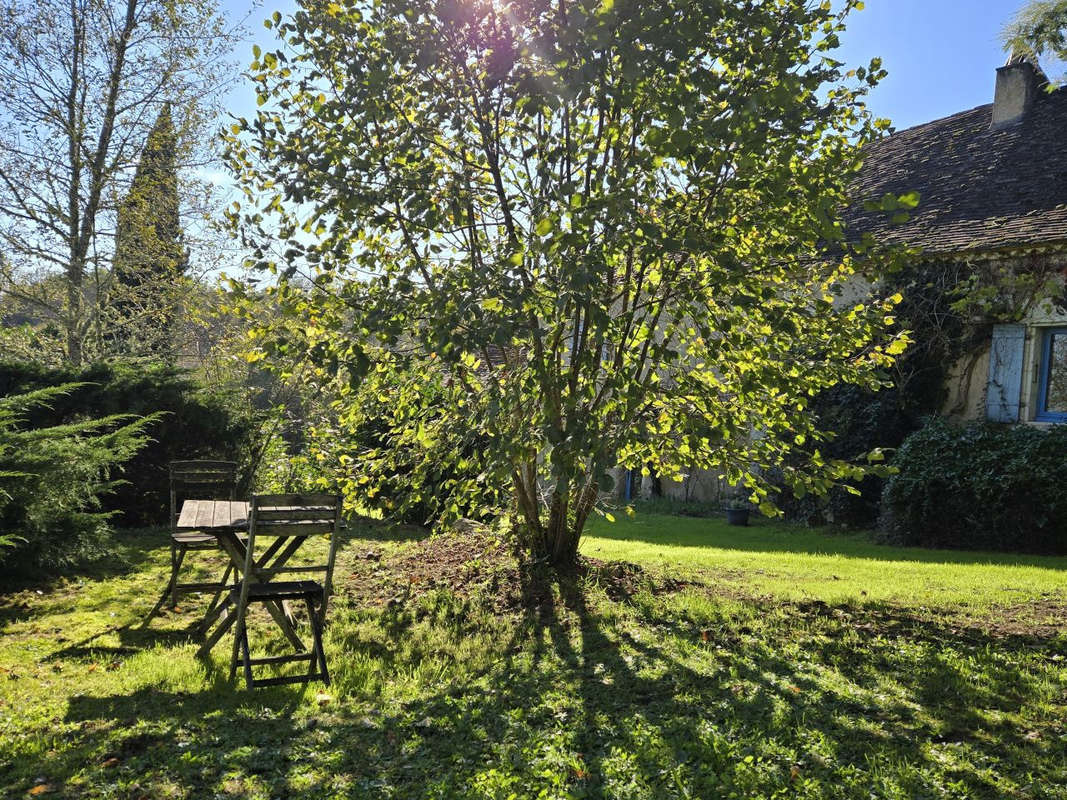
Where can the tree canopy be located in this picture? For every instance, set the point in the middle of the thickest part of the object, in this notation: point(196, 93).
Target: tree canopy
point(1039, 29)
point(612, 226)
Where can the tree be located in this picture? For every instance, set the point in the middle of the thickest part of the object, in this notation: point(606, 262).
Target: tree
point(81, 84)
point(53, 476)
point(614, 224)
point(150, 258)
point(1038, 29)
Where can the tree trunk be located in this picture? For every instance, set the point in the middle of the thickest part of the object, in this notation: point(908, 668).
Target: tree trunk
point(73, 314)
point(556, 538)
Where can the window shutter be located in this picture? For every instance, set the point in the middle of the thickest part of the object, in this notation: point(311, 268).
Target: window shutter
point(1004, 390)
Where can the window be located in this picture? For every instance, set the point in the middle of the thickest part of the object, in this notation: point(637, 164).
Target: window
point(1052, 389)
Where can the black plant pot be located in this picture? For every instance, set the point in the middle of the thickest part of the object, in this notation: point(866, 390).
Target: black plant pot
point(737, 516)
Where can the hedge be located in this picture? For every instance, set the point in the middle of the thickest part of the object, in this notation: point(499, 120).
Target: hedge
point(980, 486)
point(193, 424)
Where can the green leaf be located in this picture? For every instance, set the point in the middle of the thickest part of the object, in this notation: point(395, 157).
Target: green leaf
point(897, 346)
point(909, 200)
point(544, 227)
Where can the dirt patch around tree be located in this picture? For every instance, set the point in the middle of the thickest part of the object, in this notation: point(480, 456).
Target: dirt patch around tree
point(473, 563)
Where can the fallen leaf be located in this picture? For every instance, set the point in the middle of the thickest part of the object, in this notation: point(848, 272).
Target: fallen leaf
point(41, 788)
point(111, 762)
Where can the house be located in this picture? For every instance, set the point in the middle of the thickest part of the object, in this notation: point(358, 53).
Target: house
point(992, 183)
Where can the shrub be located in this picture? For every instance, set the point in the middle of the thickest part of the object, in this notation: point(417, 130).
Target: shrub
point(861, 421)
point(982, 486)
point(52, 479)
point(190, 422)
point(388, 449)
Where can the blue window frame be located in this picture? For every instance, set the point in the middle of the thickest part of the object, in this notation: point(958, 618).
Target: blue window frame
point(1052, 388)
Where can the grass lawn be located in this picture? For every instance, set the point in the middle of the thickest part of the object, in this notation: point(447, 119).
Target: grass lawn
point(794, 563)
point(686, 659)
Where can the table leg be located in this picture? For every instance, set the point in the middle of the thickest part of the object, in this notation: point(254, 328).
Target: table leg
point(226, 620)
point(284, 618)
point(215, 613)
point(225, 623)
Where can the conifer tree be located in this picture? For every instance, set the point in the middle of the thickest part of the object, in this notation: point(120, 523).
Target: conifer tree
point(150, 259)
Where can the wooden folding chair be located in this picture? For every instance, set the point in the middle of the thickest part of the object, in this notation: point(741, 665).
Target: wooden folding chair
point(206, 480)
point(288, 519)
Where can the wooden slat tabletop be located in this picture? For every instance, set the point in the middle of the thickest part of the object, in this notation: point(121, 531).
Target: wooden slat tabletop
point(213, 514)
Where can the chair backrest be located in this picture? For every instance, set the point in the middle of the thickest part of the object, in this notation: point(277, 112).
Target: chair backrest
point(295, 517)
point(206, 480)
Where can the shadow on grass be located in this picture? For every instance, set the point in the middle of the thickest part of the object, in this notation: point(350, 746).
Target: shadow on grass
point(767, 537)
point(786, 692)
point(601, 698)
point(127, 551)
point(132, 639)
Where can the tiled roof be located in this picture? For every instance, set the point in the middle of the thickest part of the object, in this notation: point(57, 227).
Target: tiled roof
point(980, 189)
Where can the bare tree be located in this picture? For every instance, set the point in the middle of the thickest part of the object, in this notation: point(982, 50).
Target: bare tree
point(81, 84)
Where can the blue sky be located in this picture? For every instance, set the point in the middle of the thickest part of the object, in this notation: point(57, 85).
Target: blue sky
point(941, 54)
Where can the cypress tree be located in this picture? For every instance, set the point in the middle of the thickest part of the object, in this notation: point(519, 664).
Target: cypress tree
point(150, 258)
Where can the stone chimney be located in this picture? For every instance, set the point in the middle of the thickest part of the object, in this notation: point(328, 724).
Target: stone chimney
point(1018, 84)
